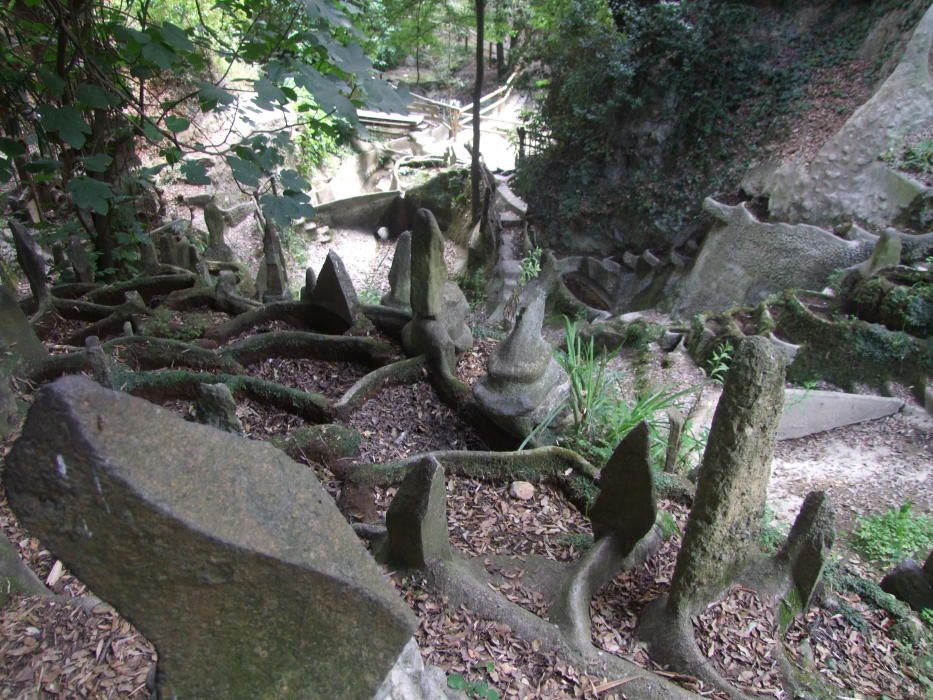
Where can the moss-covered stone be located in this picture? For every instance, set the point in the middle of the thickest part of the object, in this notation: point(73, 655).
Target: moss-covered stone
point(732, 486)
point(226, 554)
point(444, 194)
point(846, 351)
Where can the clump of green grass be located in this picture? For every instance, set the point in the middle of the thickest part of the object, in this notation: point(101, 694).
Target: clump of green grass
point(889, 537)
point(600, 417)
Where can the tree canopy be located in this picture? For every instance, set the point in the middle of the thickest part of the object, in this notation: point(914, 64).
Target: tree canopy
point(86, 86)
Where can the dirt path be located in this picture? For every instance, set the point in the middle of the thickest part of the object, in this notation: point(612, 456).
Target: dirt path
point(866, 468)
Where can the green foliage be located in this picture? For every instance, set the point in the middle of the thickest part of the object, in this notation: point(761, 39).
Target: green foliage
point(474, 287)
point(84, 90)
point(642, 119)
point(601, 418)
point(771, 536)
point(474, 688)
point(165, 323)
point(581, 541)
point(719, 362)
point(878, 344)
point(927, 616)
point(912, 157)
point(893, 535)
point(668, 525)
point(369, 296)
point(531, 265)
point(590, 382)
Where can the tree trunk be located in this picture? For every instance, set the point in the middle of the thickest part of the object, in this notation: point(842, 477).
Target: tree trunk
point(500, 59)
point(477, 205)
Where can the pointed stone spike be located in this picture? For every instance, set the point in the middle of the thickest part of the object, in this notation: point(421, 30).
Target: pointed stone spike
point(399, 296)
point(417, 517)
point(807, 547)
point(428, 270)
point(627, 504)
point(333, 292)
point(524, 383)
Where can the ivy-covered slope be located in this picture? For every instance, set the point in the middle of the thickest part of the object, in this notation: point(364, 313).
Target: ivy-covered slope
point(651, 108)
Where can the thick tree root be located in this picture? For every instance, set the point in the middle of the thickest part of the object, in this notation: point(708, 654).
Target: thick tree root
point(402, 372)
point(147, 287)
point(301, 344)
point(139, 352)
point(184, 299)
point(105, 328)
point(132, 307)
point(73, 290)
point(389, 321)
point(176, 384)
point(148, 353)
point(80, 310)
point(462, 585)
point(565, 469)
point(291, 312)
point(595, 568)
point(671, 642)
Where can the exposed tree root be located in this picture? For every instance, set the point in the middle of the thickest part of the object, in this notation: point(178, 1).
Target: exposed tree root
point(402, 372)
point(139, 352)
point(301, 344)
point(147, 353)
point(462, 585)
point(389, 321)
point(292, 312)
point(73, 290)
point(184, 299)
point(177, 384)
point(112, 324)
point(565, 469)
point(671, 641)
point(593, 570)
point(147, 287)
point(80, 310)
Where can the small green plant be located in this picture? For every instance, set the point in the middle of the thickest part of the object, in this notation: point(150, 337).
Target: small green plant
point(474, 287)
point(531, 265)
point(581, 541)
point(893, 535)
point(927, 616)
point(719, 361)
point(601, 418)
point(668, 525)
point(771, 537)
point(474, 688)
point(918, 158)
point(369, 296)
point(589, 378)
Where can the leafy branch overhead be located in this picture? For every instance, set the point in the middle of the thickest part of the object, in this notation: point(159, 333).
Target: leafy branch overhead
point(85, 86)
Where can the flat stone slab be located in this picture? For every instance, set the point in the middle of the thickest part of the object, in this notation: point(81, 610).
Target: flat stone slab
point(807, 412)
point(511, 200)
point(224, 553)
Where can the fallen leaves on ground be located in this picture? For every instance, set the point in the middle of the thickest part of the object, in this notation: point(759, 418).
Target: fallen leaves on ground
point(330, 379)
point(739, 633)
point(850, 649)
point(409, 419)
point(481, 650)
point(472, 364)
point(52, 649)
point(484, 519)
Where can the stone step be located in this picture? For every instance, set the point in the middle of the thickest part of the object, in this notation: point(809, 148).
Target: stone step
point(809, 411)
point(510, 218)
point(511, 200)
